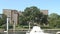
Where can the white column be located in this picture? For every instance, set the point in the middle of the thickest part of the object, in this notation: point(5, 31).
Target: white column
point(7, 25)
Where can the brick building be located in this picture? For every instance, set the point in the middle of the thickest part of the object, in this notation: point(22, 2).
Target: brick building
point(12, 14)
point(45, 12)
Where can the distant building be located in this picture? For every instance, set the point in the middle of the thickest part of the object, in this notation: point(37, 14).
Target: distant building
point(12, 14)
point(45, 12)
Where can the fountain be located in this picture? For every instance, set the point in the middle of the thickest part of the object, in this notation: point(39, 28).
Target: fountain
point(36, 30)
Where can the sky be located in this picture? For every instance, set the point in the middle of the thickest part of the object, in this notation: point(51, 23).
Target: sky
point(53, 6)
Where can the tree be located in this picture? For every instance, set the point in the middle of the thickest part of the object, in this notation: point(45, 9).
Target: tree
point(32, 14)
point(22, 20)
point(44, 19)
point(3, 20)
point(54, 20)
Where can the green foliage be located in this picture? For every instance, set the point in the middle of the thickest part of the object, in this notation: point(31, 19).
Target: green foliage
point(44, 19)
point(2, 20)
point(32, 14)
point(54, 20)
